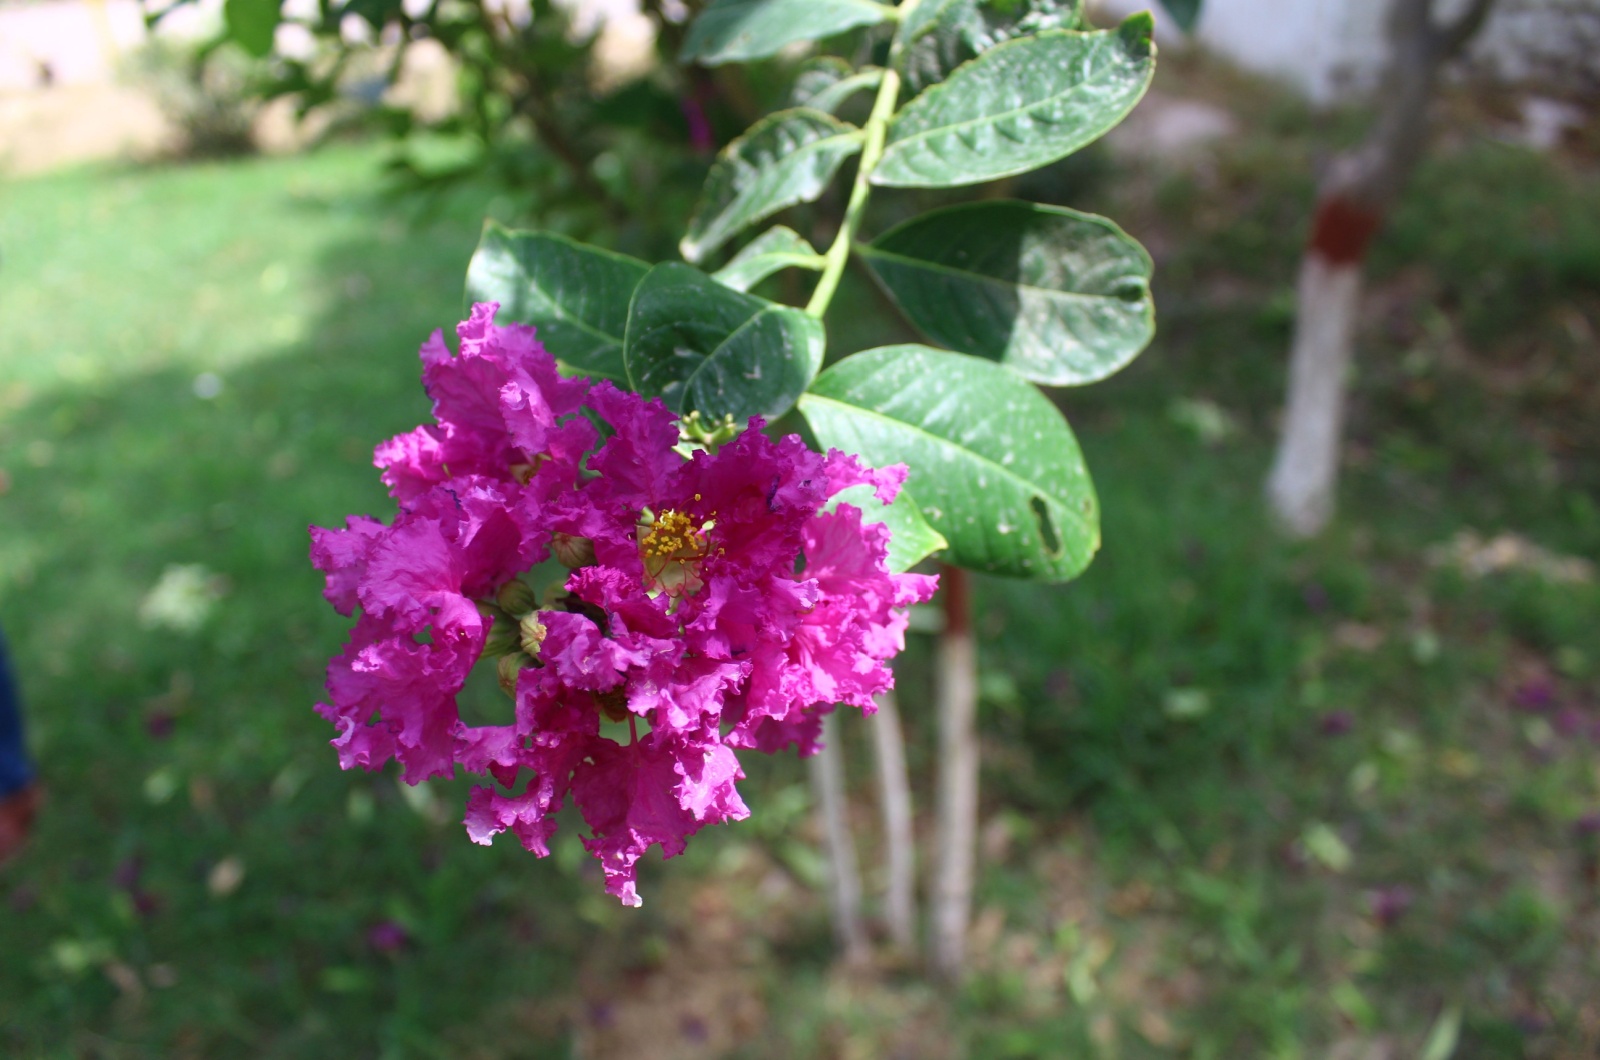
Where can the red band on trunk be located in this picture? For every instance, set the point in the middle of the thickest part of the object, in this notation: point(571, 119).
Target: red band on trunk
point(957, 599)
point(1343, 230)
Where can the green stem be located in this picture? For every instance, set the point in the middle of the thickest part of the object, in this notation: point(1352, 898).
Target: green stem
point(838, 254)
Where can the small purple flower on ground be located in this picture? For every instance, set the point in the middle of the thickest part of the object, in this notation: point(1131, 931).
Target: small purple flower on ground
point(1389, 904)
point(127, 873)
point(694, 1029)
point(1530, 1024)
point(715, 604)
point(1336, 723)
point(387, 936)
point(1569, 722)
point(1535, 694)
point(1588, 825)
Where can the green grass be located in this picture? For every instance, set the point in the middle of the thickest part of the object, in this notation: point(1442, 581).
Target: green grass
point(1178, 861)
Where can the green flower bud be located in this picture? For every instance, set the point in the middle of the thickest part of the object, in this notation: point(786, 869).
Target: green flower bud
point(532, 633)
point(516, 598)
point(573, 552)
point(492, 610)
point(502, 638)
point(507, 670)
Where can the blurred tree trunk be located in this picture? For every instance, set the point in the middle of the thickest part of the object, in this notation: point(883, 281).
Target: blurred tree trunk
point(957, 697)
point(899, 844)
point(844, 877)
point(1355, 198)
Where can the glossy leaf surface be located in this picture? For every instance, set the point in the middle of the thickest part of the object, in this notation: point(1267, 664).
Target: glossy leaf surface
point(702, 346)
point(994, 466)
point(1059, 296)
point(1019, 106)
point(575, 294)
point(785, 158)
point(940, 35)
point(827, 81)
point(779, 247)
point(738, 30)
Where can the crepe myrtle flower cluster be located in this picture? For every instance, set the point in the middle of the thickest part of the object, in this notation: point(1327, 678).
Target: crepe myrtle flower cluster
point(701, 604)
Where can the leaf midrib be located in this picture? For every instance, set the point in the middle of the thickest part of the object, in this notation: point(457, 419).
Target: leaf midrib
point(1004, 471)
point(932, 266)
point(719, 347)
point(988, 118)
point(560, 312)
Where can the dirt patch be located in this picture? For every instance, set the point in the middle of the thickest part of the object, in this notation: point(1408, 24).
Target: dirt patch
point(56, 127)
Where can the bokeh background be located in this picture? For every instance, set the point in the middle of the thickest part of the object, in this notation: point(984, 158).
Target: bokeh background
point(1242, 796)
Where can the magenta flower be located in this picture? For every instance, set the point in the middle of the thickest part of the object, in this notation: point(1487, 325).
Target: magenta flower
point(706, 605)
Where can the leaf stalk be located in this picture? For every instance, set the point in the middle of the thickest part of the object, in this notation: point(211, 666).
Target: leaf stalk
point(838, 255)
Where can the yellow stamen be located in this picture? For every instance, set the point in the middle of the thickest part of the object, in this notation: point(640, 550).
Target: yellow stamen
point(670, 548)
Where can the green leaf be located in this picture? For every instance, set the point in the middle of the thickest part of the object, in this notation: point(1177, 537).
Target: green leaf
point(702, 346)
point(940, 35)
point(911, 539)
point(1019, 106)
point(251, 24)
point(738, 30)
point(827, 81)
point(994, 466)
point(783, 159)
point(1445, 1035)
point(1059, 296)
point(1184, 12)
point(575, 294)
point(777, 248)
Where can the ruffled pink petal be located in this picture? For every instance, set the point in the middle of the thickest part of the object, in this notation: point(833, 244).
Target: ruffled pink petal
point(342, 556)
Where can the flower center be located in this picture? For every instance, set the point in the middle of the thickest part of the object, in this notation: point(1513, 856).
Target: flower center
point(671, 546)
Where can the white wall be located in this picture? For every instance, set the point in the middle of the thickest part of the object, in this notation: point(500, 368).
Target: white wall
point(1330, 49)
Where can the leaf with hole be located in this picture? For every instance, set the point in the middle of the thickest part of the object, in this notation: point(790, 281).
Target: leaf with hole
point(911, 539)
point(785, 158)
point(739, 30)
point(994, 466)
point(576, 295)
point(1059, 296)
point(777, 248)
point(1019, 106)
point(702, 346)
point(940, 35)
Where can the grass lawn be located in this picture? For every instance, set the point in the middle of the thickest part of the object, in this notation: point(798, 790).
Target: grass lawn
point(1242, 798)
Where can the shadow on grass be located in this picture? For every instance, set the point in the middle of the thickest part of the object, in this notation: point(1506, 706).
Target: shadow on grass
point(204, 880)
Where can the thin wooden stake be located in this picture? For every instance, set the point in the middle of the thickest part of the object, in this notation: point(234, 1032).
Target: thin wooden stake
point(844, 877)
point(957, 671)
point(894, 788)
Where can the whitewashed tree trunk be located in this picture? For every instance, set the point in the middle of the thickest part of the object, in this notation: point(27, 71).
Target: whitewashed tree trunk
point(844, 877)
point(957, 698)
point(1352, 204)
point(1301, 486)
point(899, 843)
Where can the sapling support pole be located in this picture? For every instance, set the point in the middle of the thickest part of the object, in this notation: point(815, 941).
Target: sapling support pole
point(956, 670)
point(899, 843)
point(844, 876)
